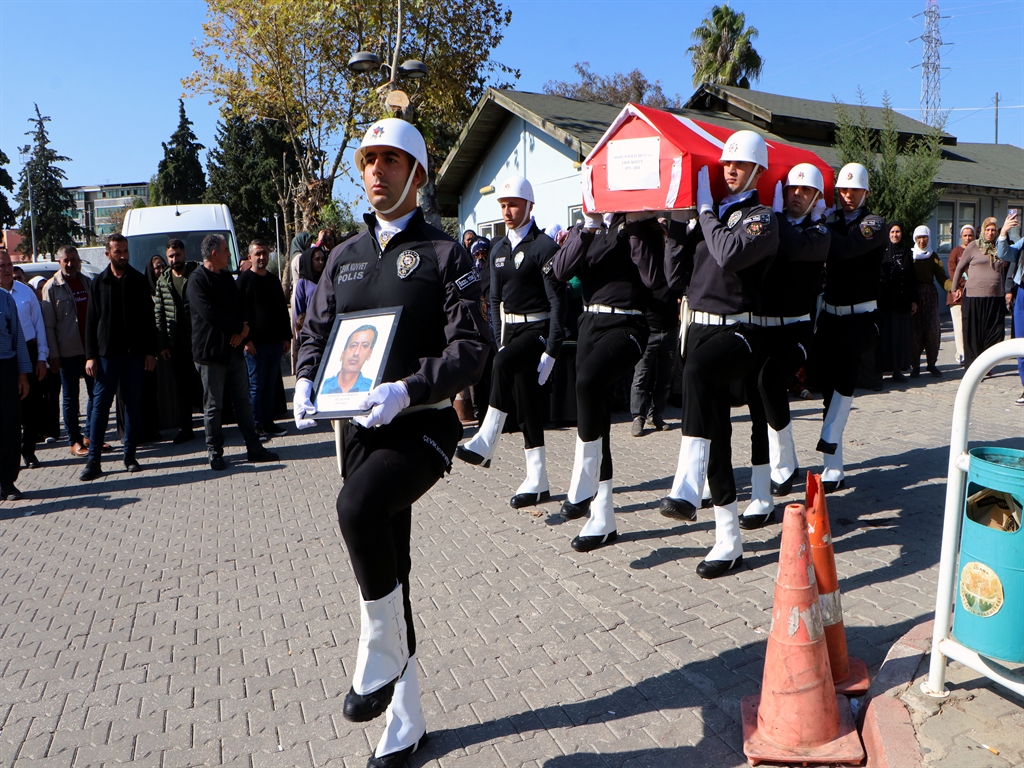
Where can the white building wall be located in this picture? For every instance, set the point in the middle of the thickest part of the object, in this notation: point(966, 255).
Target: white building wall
point(523, 149)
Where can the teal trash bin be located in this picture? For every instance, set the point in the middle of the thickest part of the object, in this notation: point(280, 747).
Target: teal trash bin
point(988, 615)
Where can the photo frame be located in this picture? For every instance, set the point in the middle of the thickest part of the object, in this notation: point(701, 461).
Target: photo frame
point(354, 361)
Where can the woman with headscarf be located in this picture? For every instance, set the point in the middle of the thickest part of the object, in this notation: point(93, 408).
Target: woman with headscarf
point(154, 269)
point(967, 236)
point(311, 266)
point(984, 299)
point(897, 302)
point(925, 322)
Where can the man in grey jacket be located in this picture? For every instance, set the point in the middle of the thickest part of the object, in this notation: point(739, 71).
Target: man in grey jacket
point(65, 305)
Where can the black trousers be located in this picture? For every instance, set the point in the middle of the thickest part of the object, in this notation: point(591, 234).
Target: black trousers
point(10, 422)
point(839, 343)
point(716, 356)
point(386, 470)
point(609, 347)
point(514, 387)
point(984, 325)
point(187, 385)
point(785, 349)
point(32, 406)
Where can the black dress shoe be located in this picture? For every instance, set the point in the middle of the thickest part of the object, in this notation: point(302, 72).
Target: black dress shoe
point(710, 569)
point(785, 487)
point(183, 437)
point(829, 486)
point(521, 500)
point(363, 709)
point(898, 376)
point(472, 457)
point(396, 759)
point(91, 471)
point(9, 493)
point(217, 463)
point(823, 447)
point(678, 509)
point(571, 511)
point(588, 543)
point(934, 371)
point(275, 430)
point(132, 465)
point(753, 522)
point(260, 455)
point(915, 372)
point(31, 461)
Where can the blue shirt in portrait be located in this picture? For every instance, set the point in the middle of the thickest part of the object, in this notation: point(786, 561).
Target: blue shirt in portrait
point(333, 387)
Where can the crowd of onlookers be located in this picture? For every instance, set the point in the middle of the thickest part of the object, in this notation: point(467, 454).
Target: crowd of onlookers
point(185, 333)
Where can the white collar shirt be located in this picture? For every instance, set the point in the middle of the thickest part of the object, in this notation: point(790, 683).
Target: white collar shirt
point(30, 315)
point(385, 230)
point(515, 236)
point(730, 200)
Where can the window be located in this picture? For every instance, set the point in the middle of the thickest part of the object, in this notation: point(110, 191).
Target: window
point(944, 222)
point(492, 229)
point(966, 215)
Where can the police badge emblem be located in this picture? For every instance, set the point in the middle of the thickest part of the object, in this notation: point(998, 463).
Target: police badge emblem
point(736, 216)
point(407, 263)
point(754, 228)
point(867, 231)
point(519, 259)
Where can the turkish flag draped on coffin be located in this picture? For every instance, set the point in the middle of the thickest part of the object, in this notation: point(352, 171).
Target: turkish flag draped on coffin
point(648, 160)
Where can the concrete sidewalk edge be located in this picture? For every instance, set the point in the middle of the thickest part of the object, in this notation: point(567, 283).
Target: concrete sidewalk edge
point(888, 733)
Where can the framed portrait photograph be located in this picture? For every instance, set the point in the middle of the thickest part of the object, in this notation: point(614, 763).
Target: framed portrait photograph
point(354, 361)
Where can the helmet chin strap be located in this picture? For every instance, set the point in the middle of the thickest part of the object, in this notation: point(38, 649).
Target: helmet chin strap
point(810, 205)
point(526, 216)
point(751, 179)
point(401, 198)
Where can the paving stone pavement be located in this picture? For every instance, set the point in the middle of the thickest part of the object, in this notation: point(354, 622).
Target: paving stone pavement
point(182, 617)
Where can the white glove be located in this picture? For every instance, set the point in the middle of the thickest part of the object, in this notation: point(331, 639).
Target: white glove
point(704, 200)
point(818, 212)
point(640, 216)
point(777, 204)
point(594, 221)
point(828, 211)
point(302, 406)
point(547, 362)
point(691, 225)
point(384, 403)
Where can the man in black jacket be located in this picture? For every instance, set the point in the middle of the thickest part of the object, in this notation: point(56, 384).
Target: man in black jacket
point(120, 343)
point(219, 331)
point(174, 333)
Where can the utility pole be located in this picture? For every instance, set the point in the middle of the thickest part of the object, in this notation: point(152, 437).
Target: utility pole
point(931, 95)
point(997, 117)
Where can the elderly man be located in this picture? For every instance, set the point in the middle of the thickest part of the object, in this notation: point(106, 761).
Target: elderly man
point(65, 308)
point(219, 332)
point(120, 343)
point(174, 333)
point(31, 317)
point(270, 332)
point(15, 365)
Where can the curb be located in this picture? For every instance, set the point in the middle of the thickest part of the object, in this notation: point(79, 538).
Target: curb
point(888, 733)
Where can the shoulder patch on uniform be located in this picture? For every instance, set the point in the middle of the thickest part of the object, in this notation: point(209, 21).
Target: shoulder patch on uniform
point(875, 222)
point(499, 261)
point(821, 228)
point(867, 230)
point(407, 263)
point(763, 218)
point(755, 228)
point(549, 267)
point(467, 280)
point(733, 218)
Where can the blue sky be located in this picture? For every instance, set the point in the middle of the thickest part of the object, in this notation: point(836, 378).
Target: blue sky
point(109, 73)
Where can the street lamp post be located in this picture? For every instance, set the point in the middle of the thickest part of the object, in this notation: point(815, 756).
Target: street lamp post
point(26, 155)
point(277, 251)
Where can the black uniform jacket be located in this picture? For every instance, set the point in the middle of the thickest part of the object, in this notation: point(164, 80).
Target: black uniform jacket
point(617, 267)
point(520, 284)
point(441, 342)
point(722, 264)
point(120, 320)
point(793, 281)
point(218, 313)
point(855, 258)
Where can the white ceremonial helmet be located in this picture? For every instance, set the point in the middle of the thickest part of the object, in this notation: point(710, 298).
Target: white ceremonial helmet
point(392, 132)
point(852, 176)
point(745, 147)
point(806, 175)
point(516, 186)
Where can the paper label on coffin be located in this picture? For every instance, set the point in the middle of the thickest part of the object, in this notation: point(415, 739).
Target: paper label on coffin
point(633, 164)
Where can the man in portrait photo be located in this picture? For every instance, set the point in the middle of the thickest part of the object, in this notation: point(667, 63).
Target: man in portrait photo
point(357, 350)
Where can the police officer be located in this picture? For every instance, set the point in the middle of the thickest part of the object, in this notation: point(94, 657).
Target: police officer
point(848, 323)
point(617, 265)
point(527, 315)
point(788, 295)
point(723, 260)
point(404, 442)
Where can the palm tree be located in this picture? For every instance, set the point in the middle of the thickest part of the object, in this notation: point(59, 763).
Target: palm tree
point(723, 54)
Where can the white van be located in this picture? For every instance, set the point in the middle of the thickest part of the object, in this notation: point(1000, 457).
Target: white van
point(149, 229)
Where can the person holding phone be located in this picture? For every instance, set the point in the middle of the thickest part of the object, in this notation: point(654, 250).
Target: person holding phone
point(1011, 253)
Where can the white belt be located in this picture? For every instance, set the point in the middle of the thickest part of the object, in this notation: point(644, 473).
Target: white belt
point(854, 309)
point(771, 322)
point(603, 309)
point(508, 317)
point(707, 318)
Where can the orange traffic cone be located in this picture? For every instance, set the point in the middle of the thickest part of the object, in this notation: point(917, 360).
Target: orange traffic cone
point(849, 674)
point(798, 717)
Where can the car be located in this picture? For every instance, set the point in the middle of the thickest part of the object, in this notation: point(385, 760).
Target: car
point(48, 269)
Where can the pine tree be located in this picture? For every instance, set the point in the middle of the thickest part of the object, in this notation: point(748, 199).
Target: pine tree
point(901, 176)
point(179, 176)
point(242, 170)
point(51, 203)
point(7, 215)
